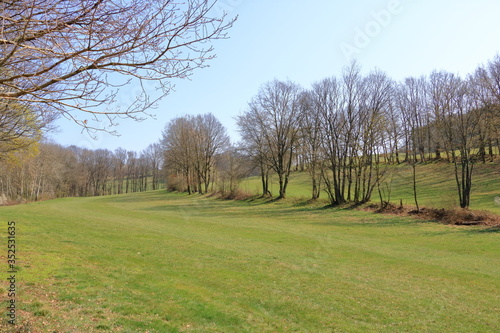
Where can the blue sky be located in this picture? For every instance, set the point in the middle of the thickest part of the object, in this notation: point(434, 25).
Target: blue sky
point(306, 41)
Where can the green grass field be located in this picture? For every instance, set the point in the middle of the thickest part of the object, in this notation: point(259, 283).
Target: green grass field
point(160, 262)
point(436, 186)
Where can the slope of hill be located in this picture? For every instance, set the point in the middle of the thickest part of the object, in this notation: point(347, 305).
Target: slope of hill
point(163, 262)
point(436, 187)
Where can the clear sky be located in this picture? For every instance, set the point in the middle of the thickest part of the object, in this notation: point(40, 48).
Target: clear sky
point(306, 41)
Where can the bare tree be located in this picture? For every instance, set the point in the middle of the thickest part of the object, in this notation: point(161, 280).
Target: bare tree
point(487, 83)
point(276, 111)
point(211, 139)
point(354, 113)
point(487, 130)
point(311, 135)
point(154, 155)
point(232, 167)
point(464, 122)
point(460, 107)
point(352, 89)
point(131, 172)
point(177, 144)
point(328, 100)
point(191, 145)
point(493, 78)
point(65, 56)
point(412, 102)
point(119, 164)
point(376, 99)
point(340, 103)
point(253, 145)
point(395, 131)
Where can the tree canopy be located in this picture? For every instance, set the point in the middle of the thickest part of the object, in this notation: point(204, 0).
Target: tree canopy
point(72, 56)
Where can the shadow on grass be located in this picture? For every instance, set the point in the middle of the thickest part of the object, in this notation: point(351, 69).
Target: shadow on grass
point(260, 200)
point(136, 196)
point(371, 222)
point(353, 214)
point(484, 230)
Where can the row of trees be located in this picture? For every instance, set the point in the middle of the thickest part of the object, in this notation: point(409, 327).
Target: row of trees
point(197, 153)
point(194, 155)
point(72, 58)
point(346, 131)
point(49, 170)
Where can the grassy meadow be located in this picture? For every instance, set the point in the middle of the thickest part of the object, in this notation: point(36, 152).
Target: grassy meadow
point(436, 186)
point(163, 262)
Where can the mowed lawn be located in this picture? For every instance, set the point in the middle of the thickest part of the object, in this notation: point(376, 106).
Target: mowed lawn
point(160, 262)
point(436, 186)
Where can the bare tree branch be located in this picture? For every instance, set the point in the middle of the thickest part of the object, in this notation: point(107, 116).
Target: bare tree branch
point(73, 56)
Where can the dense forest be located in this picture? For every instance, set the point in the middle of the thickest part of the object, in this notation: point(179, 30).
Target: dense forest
point(48, 170)
point(345, 131)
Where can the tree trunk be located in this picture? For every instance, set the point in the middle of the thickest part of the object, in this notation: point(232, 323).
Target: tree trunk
point(414, 167)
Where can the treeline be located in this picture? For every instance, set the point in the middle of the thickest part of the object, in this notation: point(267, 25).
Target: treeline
point(48, 170)
point(345, 131)
point(199, 156)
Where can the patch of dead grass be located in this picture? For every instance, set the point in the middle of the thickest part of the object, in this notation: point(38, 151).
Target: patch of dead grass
point(455, 216)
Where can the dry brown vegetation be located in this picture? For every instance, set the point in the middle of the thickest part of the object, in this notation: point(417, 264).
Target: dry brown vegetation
point(454, 216)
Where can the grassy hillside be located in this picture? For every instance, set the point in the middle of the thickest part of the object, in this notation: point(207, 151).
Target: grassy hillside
point(159, 262)
point(436, 186)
